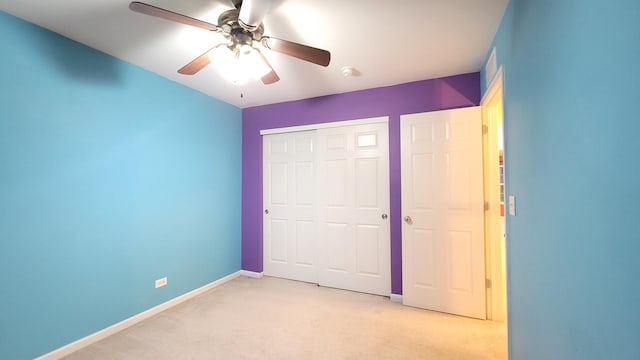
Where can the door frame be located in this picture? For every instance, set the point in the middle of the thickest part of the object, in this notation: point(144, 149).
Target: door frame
point(496, 244)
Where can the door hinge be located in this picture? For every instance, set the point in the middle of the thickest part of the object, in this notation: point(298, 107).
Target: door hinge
point(486, 206)
point(487, 283)
point(485, 129)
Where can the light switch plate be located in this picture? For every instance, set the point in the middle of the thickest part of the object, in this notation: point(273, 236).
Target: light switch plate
point(512, 205)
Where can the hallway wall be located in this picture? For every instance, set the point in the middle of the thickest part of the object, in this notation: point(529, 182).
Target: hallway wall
point(572, 86)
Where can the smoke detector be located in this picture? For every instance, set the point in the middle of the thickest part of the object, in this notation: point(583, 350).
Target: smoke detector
point(348, 71)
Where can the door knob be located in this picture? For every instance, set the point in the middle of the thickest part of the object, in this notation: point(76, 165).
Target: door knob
point(408, 220)
point(384, 216)
point(266, 211)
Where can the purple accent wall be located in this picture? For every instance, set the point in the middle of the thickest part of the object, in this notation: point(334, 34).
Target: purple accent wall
point(393, 101)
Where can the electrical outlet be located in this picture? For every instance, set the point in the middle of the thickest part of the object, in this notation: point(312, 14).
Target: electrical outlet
point(161, 282)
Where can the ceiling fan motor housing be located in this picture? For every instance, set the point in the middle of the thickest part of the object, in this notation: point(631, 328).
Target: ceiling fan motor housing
point(233, 29)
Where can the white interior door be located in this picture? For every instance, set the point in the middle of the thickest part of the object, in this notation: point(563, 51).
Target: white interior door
point(289, 198)
point(442, 207)
point(354, 239)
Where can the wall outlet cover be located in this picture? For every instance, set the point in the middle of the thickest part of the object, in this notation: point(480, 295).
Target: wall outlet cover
point(161, 282)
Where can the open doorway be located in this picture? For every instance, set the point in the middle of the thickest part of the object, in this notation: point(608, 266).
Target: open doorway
point(494, 194)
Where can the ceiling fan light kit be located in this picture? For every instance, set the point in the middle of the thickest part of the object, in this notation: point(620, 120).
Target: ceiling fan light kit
point(239, 63)
point(239, 58)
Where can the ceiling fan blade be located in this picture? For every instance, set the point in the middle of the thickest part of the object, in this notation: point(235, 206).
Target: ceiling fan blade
point(252, 12)
point(270, 77)
point(196, 65)
point(302, 52)
point(170, 15)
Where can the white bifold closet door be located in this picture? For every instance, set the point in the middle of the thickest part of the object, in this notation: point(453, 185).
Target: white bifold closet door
point(290, 230)
point(354, 231)
point(326, 198)
point(443, 212)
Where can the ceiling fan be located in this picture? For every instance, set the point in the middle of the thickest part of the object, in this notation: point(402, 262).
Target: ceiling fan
point(243, 29)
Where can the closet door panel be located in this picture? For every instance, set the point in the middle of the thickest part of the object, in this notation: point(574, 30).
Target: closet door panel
point(289, 199)
point(354, 242)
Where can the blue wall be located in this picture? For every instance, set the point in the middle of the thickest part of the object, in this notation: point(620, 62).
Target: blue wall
point(110, 177)
point(572, 138)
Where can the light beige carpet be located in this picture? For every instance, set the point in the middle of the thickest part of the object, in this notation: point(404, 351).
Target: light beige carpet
point(272, 318)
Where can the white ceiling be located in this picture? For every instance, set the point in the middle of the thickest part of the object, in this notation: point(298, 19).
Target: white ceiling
point(389, 42)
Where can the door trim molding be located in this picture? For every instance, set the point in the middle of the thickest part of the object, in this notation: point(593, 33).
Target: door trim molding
point(492, 87)
point(494, 241)
point(374, 120)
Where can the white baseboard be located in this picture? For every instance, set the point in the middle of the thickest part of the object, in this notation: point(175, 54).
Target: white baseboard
point(396, 298)
point(251, 274)
point(106, 332)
